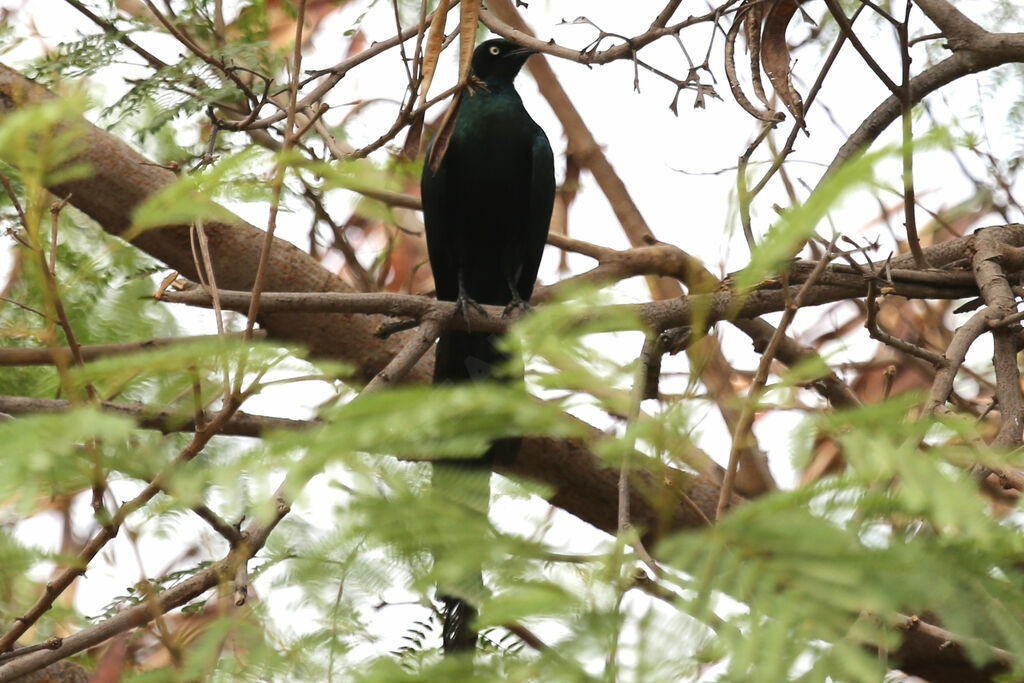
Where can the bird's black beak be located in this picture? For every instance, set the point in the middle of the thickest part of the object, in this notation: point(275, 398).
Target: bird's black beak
point(523, 52)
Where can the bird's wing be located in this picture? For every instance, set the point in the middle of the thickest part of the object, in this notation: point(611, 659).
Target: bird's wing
point(438, 210)
point(542, 199)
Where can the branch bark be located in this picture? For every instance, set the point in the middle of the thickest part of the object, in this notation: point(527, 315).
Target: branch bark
point(997, 294)
point(839, 282)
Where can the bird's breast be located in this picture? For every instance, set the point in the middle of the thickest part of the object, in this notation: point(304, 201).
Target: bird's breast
point(487, 202)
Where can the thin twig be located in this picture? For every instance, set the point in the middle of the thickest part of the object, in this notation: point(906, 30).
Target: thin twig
point(743, 195)
point(875, 330)
point(907, 146)
point(255, 536)
point(838, 283)
point(197, 50)
point(13, 196)
point(847, 30)
point(48, 644)
point(229, 532)
point(915, 623)
point(205, 267)
point(55, 303)
point(811, 96)
point(277, 184)
point(56, 586)
point(743, 425)
point(955, 354)
point(112, 31)
point(429, 329)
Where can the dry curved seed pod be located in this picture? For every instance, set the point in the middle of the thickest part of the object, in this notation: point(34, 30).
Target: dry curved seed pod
point(730, 63)
point(775, 58)
point(764, 26)
point(468, 22)
point(432, 50)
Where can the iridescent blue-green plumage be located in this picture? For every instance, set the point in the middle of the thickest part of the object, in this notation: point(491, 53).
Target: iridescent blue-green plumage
point(486, 208)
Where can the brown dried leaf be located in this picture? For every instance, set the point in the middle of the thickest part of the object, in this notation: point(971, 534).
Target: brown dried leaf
point(411, 148)
point(164, 284)
point(112, 662)
point(469, 19)
point(828, 459)
point(132, 8)
point(356, 44)
point(280, 20)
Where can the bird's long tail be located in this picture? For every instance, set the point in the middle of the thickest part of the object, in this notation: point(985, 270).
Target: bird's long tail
point(465, 357)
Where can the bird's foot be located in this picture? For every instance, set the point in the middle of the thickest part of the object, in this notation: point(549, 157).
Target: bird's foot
point(517, 303)
point(462, 305)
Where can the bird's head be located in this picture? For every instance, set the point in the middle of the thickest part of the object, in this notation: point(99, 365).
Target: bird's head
point(499, 59)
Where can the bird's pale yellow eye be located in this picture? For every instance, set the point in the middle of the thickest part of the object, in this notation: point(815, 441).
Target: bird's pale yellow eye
point(495, 50)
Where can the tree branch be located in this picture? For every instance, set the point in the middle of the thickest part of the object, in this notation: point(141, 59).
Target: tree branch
point(997, 294)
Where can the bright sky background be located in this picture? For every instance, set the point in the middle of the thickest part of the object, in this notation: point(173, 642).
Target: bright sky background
point(668, 163)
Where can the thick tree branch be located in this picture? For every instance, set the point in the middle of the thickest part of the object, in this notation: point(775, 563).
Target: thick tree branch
point(997, 294)
point(956, 27)
point(838, 283)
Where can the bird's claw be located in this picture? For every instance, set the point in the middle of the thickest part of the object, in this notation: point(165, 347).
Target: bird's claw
point(516, 303)
point(462, 305)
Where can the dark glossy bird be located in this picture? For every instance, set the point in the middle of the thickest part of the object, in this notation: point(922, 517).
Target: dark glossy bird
point(486, 208)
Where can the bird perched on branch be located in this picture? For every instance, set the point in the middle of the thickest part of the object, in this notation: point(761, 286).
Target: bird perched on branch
point(486, 206)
